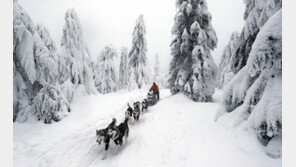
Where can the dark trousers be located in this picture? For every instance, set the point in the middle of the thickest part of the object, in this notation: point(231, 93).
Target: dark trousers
point(157, 95)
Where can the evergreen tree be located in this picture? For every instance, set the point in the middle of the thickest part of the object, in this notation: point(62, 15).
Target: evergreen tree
point(50, 104)
point(138, 71)
point(47, 40)
point(225, 73)
point(256, 14)
point(52, 49)
point(192, 69)
point(33, 64)
point(255, 91)
point(123, 69)
point(75, 61)
point(105, 79)
point(158, 76)
point(156, 69)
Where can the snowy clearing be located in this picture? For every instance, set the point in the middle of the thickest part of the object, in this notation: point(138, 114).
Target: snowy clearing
point(174, 132)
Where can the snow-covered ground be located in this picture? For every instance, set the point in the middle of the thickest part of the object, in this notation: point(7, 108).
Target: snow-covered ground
point(174, 132)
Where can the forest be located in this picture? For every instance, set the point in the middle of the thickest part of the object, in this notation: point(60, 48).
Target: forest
point(62, 93)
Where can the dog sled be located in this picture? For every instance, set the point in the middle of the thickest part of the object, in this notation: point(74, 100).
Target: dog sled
point(151, 98)
point(116, 133)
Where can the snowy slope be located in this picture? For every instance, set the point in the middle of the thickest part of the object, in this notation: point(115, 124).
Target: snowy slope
point(174, 132)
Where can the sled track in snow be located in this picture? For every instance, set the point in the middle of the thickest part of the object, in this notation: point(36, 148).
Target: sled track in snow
point(161, 135)
point(68, 147)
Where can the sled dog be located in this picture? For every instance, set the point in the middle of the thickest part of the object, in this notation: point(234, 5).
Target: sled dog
point(136, 113)
point(123, 130)
point(101, 135)
point(111, 132)
point(144, 105)
point(129, 114)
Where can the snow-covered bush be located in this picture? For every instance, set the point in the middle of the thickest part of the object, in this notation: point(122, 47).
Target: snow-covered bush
point(105, 78)
point(255, 91)
point(192, 69)
point(225, 73)
point(50, 104)
point(123, 69)
point(137, 61)
point(74, 60)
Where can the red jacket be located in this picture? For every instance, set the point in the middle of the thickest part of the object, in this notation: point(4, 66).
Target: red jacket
point(154, 88)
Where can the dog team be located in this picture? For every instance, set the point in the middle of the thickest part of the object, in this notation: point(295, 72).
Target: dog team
point(116, 133)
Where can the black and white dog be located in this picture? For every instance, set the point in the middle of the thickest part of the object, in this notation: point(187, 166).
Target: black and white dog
point(111, 132)
point(144, 105)
point(137, 108)
point(129, 113)
point(101, 135)
point(123, 132)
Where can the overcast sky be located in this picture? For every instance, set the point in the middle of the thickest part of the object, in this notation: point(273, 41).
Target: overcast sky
point(112, 21)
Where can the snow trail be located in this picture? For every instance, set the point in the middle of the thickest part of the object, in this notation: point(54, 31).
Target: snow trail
point(174, 132)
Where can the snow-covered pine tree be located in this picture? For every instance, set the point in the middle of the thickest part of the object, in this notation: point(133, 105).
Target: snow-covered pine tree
point(93, 69)
point(48, 41)
point(74, 60)
point(105, 79)
point(256, 14)
point(123, 69)
point(33, 64)
point(156, 69)
point(158, 76)
point(225, 73)
point(192, 69)
point(137, 64)
point(51, 47)
point(255, 91)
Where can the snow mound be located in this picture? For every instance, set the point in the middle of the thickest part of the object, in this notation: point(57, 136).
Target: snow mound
point(274, 147)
